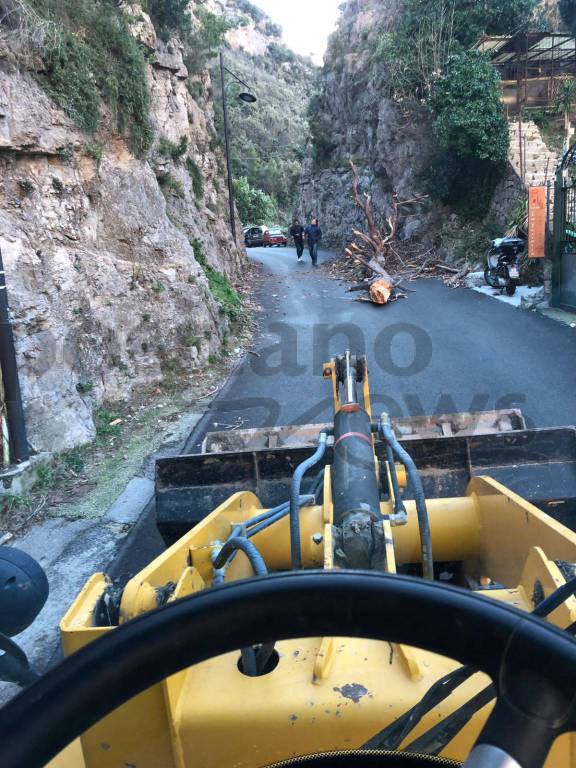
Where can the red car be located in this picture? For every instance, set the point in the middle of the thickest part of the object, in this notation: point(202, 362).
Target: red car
point(274, 237)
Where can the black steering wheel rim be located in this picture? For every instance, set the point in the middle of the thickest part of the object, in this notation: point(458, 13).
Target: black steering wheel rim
point(532, 664)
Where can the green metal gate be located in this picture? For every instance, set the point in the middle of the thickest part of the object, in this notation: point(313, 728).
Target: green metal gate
point(564, 236)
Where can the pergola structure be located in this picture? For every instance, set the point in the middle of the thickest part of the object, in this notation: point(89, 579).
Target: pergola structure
point(531, 65)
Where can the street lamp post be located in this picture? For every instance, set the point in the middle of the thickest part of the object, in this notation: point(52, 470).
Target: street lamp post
point(249, 98)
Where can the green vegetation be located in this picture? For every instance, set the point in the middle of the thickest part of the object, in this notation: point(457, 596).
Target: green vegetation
point(472, 133)
point(320, 130)
point(430, 31)
point(220, 288)
point(427, 58)
point(269, 137)
point(553, 122)
point(467, 104)
point(170, 17)
point(26, 186)
point(167, 148)
point(196, 177)
point(254, 206)
point(84, 387)
point(170, 184)
point(95, 150)
point(245, 6)
point(107, 425)
point(90, 56)
point(50, 474)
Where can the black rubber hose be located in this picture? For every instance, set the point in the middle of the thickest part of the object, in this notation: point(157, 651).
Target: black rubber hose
point(399, 508)
point(250, 664)
point(249, 549)
point(301, 469)
point(423, 521)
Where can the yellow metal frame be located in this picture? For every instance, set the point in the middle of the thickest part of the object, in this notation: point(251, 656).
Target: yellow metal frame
point(330, 373)
point(212, 716)
point(324, 693)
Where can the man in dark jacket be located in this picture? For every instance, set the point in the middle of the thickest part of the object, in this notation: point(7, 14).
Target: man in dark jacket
point(297, 233)
point(314, 235)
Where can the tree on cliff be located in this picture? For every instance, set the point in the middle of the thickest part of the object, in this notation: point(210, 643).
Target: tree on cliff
point(430, 31)
point(254, 206)
point(471, 129)
point(170, 16)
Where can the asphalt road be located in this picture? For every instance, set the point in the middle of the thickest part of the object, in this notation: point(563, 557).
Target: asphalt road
point(439, 351)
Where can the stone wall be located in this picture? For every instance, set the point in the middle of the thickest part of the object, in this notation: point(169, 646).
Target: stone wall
point(507, 196)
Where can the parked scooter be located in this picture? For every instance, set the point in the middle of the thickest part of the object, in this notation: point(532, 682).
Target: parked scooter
point(503, 264)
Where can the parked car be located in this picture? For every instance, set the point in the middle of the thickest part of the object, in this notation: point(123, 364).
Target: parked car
point(254, 236)
point(275, 237)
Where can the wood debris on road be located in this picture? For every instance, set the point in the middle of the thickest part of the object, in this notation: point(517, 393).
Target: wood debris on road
point(380, 264)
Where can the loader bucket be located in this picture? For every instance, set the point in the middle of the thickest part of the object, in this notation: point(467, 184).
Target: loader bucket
point(539, 465)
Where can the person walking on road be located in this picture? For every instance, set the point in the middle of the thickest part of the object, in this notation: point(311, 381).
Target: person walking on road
point(297, 234)
point(314, 236)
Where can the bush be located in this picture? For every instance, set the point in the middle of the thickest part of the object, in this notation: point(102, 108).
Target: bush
point(220, 288)
point(254, 205)
point(169, 184)
point(206, 41)
point(196, 178)
point(93, 56)
point(472, 134)
point(106, 428)
point(167, 148)
point(272, 29)
point(245, 6)
point(170, 17)
point(430, 31)
point(469, 116)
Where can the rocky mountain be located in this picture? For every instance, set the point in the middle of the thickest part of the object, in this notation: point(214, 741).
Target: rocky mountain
point(359, 112)
point(108, 249)
point(269, 137)
point(353, 117)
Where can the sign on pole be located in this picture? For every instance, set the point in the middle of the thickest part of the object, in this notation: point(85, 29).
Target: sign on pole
point(536, 222)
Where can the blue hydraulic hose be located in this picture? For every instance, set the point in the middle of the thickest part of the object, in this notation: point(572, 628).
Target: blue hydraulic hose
point(423, 521)
point(295, 545)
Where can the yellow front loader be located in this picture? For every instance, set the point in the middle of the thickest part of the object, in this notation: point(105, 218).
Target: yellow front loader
point(369, 601)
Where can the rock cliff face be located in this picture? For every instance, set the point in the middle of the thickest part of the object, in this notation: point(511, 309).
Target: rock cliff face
point(353, 118)
point(106, 292)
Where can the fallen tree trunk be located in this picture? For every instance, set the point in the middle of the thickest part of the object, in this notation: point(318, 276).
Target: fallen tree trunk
point(381, 291)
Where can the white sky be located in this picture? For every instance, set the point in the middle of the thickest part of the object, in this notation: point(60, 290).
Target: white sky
point(307, 24)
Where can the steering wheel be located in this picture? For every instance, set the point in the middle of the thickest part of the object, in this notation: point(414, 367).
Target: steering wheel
point(532, 664)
